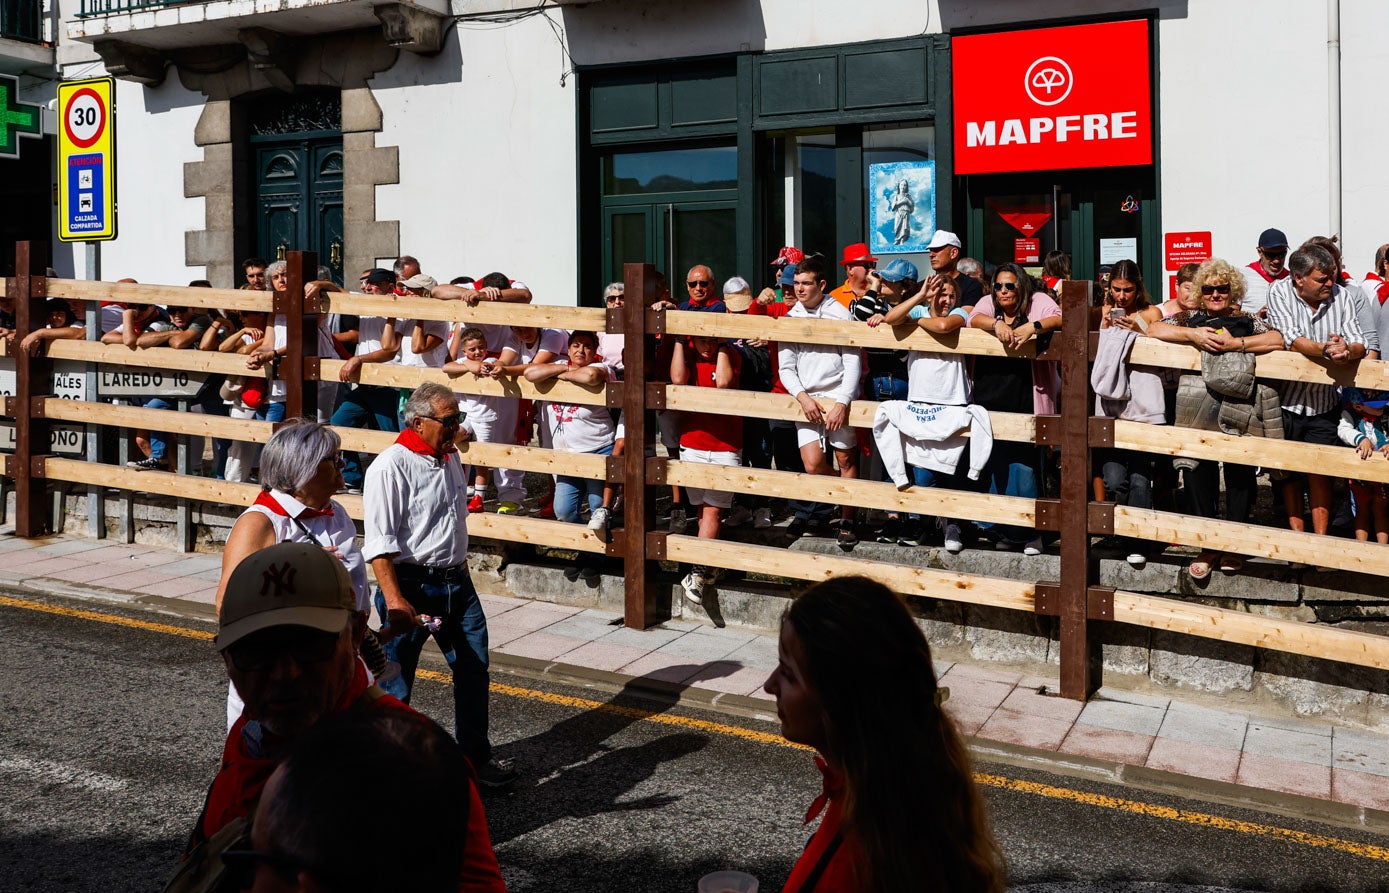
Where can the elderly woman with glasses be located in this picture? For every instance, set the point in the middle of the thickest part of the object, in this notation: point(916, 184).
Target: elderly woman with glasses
point(300, 470)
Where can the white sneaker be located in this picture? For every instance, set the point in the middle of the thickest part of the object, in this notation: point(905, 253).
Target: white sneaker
point(1137, 559)
point(693, 584)
point(953, 543)
point(737, 517)
point(599, 519)
point(678, 521)
point(1033, 547)
point(762, 519)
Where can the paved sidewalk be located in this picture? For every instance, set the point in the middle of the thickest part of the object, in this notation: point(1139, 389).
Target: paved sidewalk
point(1302, 757)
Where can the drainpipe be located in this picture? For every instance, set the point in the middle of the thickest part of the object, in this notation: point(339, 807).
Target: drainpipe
point(1333, 79)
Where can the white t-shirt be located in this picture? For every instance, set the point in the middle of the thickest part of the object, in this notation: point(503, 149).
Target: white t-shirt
point(369, 332)
point(578, 427)
point(280, 333)
point(554, 340)
point(939, 378)
point(417, 508)
point(479, 407)
point(336, 529)
point(434, 358)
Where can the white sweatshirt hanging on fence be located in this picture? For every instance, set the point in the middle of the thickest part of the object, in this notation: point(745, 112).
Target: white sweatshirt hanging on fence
point(932, 437)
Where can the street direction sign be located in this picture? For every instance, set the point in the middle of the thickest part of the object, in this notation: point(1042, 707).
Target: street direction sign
point(17, 119)
point(87, 160)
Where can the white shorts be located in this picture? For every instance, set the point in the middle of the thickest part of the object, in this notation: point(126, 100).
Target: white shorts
point(840, 439)
point(700, 496)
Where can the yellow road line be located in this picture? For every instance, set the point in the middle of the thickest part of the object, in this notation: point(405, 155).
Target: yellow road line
point(1137, 807)
point(1369, 851)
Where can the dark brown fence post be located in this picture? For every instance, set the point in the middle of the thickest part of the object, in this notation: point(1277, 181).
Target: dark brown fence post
point(299, 369)
point(1080, 665)
point(31, 430)
point(639, 561)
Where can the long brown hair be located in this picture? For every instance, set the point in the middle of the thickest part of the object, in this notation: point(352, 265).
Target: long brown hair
point(910, 805)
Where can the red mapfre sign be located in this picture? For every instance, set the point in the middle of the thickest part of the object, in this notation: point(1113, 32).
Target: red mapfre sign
point(1187, 248)
point(1050, 98)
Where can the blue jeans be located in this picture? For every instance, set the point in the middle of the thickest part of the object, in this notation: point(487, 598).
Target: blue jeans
point(568, 488)
point(159, 440)
point(462, 638)
point(886, 387)
point(1011, 471)
point(372, 407)
point(271, 412)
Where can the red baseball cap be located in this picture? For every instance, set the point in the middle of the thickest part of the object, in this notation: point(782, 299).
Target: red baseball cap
point(789, 255)
point(857, 253)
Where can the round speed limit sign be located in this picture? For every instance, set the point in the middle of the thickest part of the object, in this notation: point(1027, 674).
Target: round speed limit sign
point(84, 119)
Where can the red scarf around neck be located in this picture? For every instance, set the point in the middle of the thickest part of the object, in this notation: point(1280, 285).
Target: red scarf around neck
point(415, 444)
point(265, 500)
point(1258, 268)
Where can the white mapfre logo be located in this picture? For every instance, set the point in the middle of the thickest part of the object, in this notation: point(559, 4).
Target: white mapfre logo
point(1048, 80)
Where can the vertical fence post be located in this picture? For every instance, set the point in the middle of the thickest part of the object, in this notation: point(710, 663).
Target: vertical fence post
point(300, 366)
point(31, 431)
point(639, 563)
point(1080, 666)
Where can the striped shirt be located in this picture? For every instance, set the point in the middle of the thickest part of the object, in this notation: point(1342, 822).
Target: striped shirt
point(1294, 319)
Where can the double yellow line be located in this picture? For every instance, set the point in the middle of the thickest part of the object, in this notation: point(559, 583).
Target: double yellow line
point(1136, 807)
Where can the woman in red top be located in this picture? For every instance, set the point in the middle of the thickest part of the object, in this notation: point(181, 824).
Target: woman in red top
point(901, 812)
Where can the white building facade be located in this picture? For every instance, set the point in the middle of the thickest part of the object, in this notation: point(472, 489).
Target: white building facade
point(556, 142)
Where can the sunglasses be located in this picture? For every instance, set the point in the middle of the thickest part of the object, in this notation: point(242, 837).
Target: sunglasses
point(337, 460)
point(698, 283)
point(1209, 290)
point(1005, 286)
point(1274, 252)
point(448, 421)
point(311, 648)
point(241, 866)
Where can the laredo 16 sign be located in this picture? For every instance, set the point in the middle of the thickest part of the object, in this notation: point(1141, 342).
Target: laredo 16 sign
point(87, 160)
point(1050, 98)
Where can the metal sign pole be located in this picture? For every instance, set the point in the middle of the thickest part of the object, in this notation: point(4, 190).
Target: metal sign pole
point(96, 496)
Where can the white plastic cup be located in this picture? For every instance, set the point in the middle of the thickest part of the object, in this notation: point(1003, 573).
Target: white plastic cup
point(728, 882)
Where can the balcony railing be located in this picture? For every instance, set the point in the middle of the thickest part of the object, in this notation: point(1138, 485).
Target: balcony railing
point(22, 20)
point(107, 7)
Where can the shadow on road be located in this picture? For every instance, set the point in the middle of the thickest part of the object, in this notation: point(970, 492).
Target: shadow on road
point(40, 861)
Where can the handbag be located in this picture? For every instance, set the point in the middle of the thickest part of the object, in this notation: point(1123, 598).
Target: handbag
point(1229, 374)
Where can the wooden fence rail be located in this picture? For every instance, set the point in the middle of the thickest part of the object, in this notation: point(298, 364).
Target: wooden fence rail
point(1075, 598)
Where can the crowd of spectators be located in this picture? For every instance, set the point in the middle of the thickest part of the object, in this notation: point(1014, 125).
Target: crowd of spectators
point(1304, 302)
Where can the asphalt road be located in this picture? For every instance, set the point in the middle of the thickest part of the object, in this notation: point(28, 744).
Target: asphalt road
point(109, 736)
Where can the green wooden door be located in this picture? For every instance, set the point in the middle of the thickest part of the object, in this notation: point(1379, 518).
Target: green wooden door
point(298, 194)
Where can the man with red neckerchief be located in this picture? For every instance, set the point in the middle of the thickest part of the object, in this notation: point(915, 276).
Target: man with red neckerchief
point(1262, 273)
point(1376, 282)
point(416, 507)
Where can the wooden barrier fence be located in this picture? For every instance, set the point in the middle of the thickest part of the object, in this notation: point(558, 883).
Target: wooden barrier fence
point(1074, 599)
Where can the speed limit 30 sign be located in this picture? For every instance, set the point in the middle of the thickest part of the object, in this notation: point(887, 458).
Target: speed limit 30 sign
point(87, 160)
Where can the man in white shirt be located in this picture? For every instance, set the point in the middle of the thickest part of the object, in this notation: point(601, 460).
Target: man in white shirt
point(821, 370)
point(1260, 276)
point(417, 543)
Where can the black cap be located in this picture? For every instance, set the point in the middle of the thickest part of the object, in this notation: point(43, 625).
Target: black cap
point(1273, 238)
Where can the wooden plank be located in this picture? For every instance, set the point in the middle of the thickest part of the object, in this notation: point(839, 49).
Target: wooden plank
point(492, 455)
point(153, 358)
point(787, 329)
point(1168, 440)
point(165, 483)
point(994, 592)
point(1252, 539)
point(1281, 365)
point(194, 423)
point(542, 316)
point(178, 295)
point(1009, 426)
point(851, 491)
point(534, 531)
point(1291, 636)
point(411, 377)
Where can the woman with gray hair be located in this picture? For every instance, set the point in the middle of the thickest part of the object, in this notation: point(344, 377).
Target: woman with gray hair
point(300, 470)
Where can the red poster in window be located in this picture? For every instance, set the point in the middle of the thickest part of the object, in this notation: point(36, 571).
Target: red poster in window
point(1187, 248)
point(1051, 98)
point(1027, 251)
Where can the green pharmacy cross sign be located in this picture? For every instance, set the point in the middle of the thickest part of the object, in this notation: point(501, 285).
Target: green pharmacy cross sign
point(17, 119)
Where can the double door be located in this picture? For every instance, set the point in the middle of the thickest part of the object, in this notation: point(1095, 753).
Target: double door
point(672, 235)
point(298, 195)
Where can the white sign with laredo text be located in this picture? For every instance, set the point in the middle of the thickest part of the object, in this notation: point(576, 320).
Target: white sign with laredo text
point(123, 381)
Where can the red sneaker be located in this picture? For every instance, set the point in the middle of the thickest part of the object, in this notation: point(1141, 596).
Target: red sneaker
point(475, 504)
point(546, 510)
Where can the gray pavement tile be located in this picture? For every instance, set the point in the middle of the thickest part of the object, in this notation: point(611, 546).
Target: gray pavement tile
point(1118, 716)
point(645, 639)
point(761, 653)
point(1271, 741)
point(13, 542)
point(1361, 751)
point(942, 667)
point(700, 646)
point(1204, 725)
point(585, 626)
point(192, 566)
point(1106, 693)
point(1293, 724)
point(70, 546)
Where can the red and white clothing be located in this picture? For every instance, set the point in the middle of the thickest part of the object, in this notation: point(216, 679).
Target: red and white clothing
point(580, 427)
point(416, 504)
point(327, 347)
point(708, 438)
point(839, 854)
point(1374, 284)
point(1257, 282)
point(294, 522)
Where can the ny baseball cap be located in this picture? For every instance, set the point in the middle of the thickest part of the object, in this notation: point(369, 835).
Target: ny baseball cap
point(898, 270)
point(1273, 238)
point(287, 584)
point(943, 238)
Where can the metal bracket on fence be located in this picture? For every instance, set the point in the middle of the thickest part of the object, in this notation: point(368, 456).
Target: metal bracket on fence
point(279, 304)
point(612, 395)
point(312, 369)
point(1100, 518)
point(613, 547)
point(1101, 432)
point(612, 321)
point(38, 286)
point(655, 322)
point(1048, 430)
point(1099, 603)
point(1046, 599)
point(656, 468)
point(615, 468)
point(1047, 515)
point(36, 466)
point(36, 406)
point(656, 544)
point(655, 395)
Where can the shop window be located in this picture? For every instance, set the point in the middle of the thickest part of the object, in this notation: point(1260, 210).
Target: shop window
point(899, 178)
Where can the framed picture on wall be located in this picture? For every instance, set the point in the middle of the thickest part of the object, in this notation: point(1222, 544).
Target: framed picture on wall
point(901, 206)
